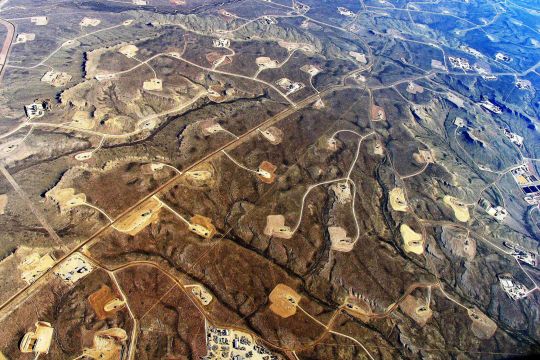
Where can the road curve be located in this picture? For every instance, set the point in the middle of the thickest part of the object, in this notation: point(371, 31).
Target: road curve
point(4, 52)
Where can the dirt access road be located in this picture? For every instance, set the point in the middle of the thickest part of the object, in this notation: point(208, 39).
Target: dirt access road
point(6, 45)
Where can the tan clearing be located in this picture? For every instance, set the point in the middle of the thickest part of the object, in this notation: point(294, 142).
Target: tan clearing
point(283, 301)
point(412, 241)
point(461, 211)
point(140, 217)
point(397, 200)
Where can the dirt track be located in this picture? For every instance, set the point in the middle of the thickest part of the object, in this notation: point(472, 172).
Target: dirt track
point(7, 44)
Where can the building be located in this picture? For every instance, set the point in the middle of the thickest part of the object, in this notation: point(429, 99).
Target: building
point(513, 137)
point(489, 77)
point(513, 288)
point(34, 265)
point(460, 63)
point(36, 109)
point(459, 122)
point(502, 57)
point(488, 105)
point(345, 12)
point(498, 212)
point(471, 51)
point(269, 20)
point(224, 343)
point(300, 8)
point(523, 84)
point(38, 341)
point(222, 43)
point(529, 183)
point(289, 86)
point(56, 78)
point(522, 254)
point(74, 268)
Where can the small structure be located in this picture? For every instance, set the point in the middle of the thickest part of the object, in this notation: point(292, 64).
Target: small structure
point(86, 21)
point(342, 192)
point(201, 294)
point(269, 20)
point(202, 226)
point(459, 122)
point(514, 289)
point(339, 239)
point(522, 84)
point(425, 156)
point(24, 37)
point(34, 265)
point(105, 302)
point(39, 340)
point(289, 86)
point(39, 20)
point(397, 200)
point(436, 64)
point(359, 57)
point(358, 77)
point(300, 8)
point(140, 217)
point(107, 344)
point(461, 211)
point(471, 51)
point(488, 105)
point(456, 100)
point(416, 309)
point(273, 134)
point(3, 203)
point(332, 144)
point(378, 148)
point(502, 57)
point(513, 137)
point(267, 172)
point(412, 241)
point(225, 13)
point(153, 85)
point(210, 127)
point(345, 12)
point(498, 212)
point(460, 63)
point(66, 198)
point(129, 50)
point(56, 78)
point(275, 226)
point(283, 301)
point(482, 326)
point(357, 307)
point(225, 343)
point(319, 104)
point(222, 43)
point(265, 62)
point(377, 113)
point(83, 156)
point(413, 88)
point(522, 254)
point(311, 69)
point(36, 110)
point(73, 268)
